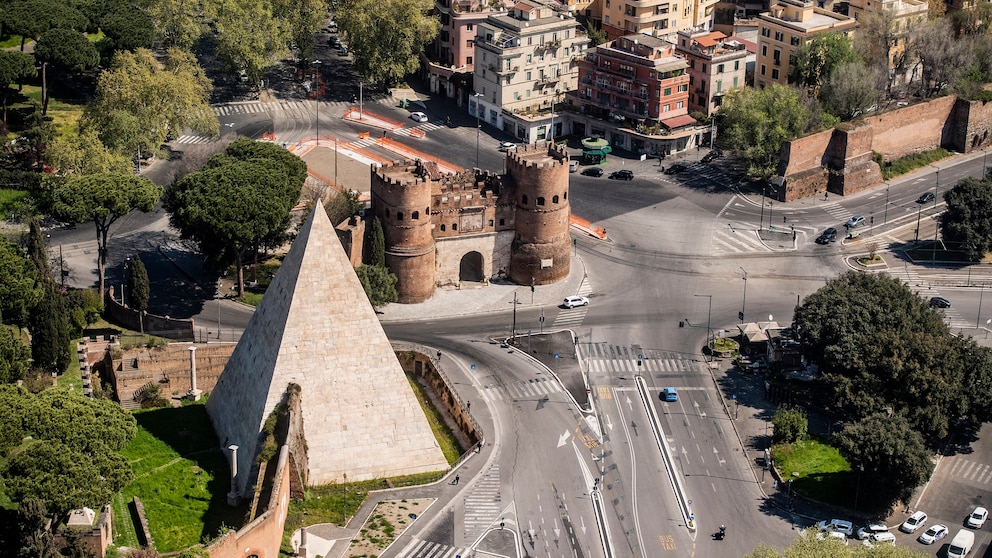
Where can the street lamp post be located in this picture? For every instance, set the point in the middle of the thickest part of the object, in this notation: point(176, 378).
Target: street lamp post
point(857, 490)
point(981, 294)
point(933, 249)
point(316, 63)
point(478, 127)
point(919, 212)
point(361, 101)
point(761, 219)
point(551, 133)
point(885, 218)
point(743, 298)
point(709, 315)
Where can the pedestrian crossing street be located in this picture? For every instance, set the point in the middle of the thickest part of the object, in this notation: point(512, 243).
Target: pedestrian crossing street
point(426, 549)
point(571, 317)
point(483, 504)
point(971, 471)
point(605, 358)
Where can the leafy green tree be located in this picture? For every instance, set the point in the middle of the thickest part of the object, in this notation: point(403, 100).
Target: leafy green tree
point(131, 113)
point(377, 244)
point(19, 288)
point(251, 34)
point(178, 23)
point(387, 36)
point(850, 90)
point(84, 153)
point(791, 424)
point(305, 18)
point(379, 284)
point(14, 67)
point(66, 48)
point(756, 122)
point(84, 306)
point(14, 357)
point(967, 220)
point(102, 199)
point(241, 198)
point(343, 205)
point(940, 58)
point(126, 27)
point(31, 18)
point(34, 242)
point(138, 289)
point(893, 455)
point(815, 60)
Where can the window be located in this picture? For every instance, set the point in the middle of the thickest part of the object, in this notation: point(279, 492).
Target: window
point(765, 32)
point(735, 82)
point(737, 64)
point(719, 85)
point(762, 69)
point(528, 75)
point(529, 58)
point(468, 59)
point(794, 41)
point(666, 108)
point(490, 222)
point(443, 227)
point(565, 195)
point(692, 64)
point(399, 215)
point(668, 91)
point(415, 215)
point(764, 50)
point(680, 104)
point(554, 199)
point(774, 73)
point(523, 200)
point(502, 222)
point(719, 69)
point(779, 36)
point(469, 27)
point(516, 95)
point(683, 88)
point(454, 226)
point(540, 200)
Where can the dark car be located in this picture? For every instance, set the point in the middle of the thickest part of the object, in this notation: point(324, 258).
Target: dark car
point(622, 175)
point(712, 156)
point(939, 302)
point(593, 171)
point(925, 197)
point(828, 236)
point(675, 169)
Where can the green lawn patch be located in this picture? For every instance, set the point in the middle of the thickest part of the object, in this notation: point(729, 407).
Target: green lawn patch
point(445, 438)
point(182, 478)
point(928, 250)
point(902, 165)
point(823, 474)
point(12, 200)
point(10, 41)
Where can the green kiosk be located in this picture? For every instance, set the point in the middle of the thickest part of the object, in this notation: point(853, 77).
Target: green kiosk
point(595, 150)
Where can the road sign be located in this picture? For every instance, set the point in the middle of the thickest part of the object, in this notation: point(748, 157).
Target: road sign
point(472, 367)
point(557, 355)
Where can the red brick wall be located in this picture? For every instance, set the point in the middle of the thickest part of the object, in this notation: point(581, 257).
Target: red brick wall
point(918, 127)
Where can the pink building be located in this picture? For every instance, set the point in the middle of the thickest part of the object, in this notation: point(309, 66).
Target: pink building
point(448, 62)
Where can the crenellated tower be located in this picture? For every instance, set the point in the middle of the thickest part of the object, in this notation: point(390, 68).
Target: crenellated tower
point(541, 248)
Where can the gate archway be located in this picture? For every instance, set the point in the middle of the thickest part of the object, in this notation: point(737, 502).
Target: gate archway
point(470, 268)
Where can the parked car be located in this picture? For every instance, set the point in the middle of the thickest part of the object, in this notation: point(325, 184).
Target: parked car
point(419, 116)
point(913, 522)
point(855, 221)
point(622, 175)
point(573, 301)
point(933, 534)
point(675, 169)
point(839, 525)
point(925, 197)
point(593, 171)
point(868, 530)
point(832, 535)
point(507, 145)
point(876, 539)
point(961, 544)
point(712, 156)
point(939, 302)
point(828, 236)
point(978, 517)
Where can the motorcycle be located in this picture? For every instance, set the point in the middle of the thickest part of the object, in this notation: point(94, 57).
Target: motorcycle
point(719, 535)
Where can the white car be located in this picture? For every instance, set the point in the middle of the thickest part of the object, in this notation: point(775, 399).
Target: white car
point(868, 530)
point(507, 145)
point(933, 534)
point(419, 117)
point(913, 522)
point(573, 301)
point(978, 517)
point(839, 525)
point(879, 538)
point(832, 535)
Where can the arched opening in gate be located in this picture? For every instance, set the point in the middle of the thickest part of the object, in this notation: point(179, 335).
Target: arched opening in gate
point(470, 268)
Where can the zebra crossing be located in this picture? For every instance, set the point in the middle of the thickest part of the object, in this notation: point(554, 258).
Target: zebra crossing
point(193, 139)
point(426, 549)
point(605, 358)
point(426, 127)
point(258, 107)
point(527, 389)
point(971, 471)
point(571, 317)
point(483, 503)
point(836, 211)
point(738, 238)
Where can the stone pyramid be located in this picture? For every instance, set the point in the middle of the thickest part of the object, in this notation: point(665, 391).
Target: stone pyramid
point(316, 328)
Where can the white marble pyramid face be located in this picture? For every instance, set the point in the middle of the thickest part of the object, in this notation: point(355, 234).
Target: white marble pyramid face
point(315, 328)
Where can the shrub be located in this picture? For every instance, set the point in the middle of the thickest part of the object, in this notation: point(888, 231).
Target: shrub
point(791, 424)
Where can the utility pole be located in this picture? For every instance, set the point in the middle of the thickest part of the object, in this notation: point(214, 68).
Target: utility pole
point(709, 315)
point(513, 325)
point(744, 298)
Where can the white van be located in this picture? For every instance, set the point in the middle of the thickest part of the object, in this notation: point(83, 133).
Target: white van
point(573, 166)
point(961, 544)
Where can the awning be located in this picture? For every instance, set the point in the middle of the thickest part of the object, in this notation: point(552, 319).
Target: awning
point(602, 151)
point(678, 121)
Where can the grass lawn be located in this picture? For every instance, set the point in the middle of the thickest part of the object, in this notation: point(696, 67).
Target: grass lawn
point(63, 114)
point(11, 41)
point(449, 444)
point(926, 251)
point(11, 200)
point(822, 473)
point(181, 477)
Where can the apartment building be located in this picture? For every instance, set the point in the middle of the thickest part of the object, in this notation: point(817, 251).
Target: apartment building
point(525, 61)
point(784, 28)
point(634, 91)
point(617, 18)
point(717, 65)
point(906, 15)
point(448, 62)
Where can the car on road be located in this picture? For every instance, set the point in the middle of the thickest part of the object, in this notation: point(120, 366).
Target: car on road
point(419, 116)
point(507, 145)
point(828, 236)
point(913, 522)
point(712, 156)
point(876, 539)
point(933, 534)
point(622, 175)
point(839, 525)
point(925, 197)
point(961, 544)
point(977, 518)
point(855, 221)
point(669, 394)
point(573, 301)
point(939, 302)
point(868, 530)
point(676, 168)
point(593, 171)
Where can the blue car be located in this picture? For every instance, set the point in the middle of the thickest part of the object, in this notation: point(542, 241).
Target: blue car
point(668, 395)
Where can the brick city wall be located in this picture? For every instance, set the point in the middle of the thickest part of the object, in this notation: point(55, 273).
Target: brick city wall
point(351, 233)
point(494, 248)
point(972, 125)
point(163, 326)
point(914, 128)
point(414, 362)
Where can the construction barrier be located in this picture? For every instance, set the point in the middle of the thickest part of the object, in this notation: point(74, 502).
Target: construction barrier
point(363, 135)
point(417, 133)
point(586, 226)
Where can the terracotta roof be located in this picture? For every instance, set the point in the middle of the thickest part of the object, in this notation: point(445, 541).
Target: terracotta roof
point(678, 121)
point(712, 39)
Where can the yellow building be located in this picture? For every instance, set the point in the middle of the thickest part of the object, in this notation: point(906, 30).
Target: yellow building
point(905, 14)
point(784, 28)
point(649, 17)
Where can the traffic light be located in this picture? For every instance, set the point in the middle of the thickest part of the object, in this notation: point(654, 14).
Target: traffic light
point(740, 315)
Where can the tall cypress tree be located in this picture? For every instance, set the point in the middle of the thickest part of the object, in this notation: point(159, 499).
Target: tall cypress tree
point(377, 244)
point(49, 320)
point(138, 288)
point(35, 244)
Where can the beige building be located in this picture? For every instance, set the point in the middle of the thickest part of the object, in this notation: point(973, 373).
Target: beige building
point(906, 14)
point(525, 61)
point(786, 26)
point(717, 65)
point(650, 17)
point(448, 62)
